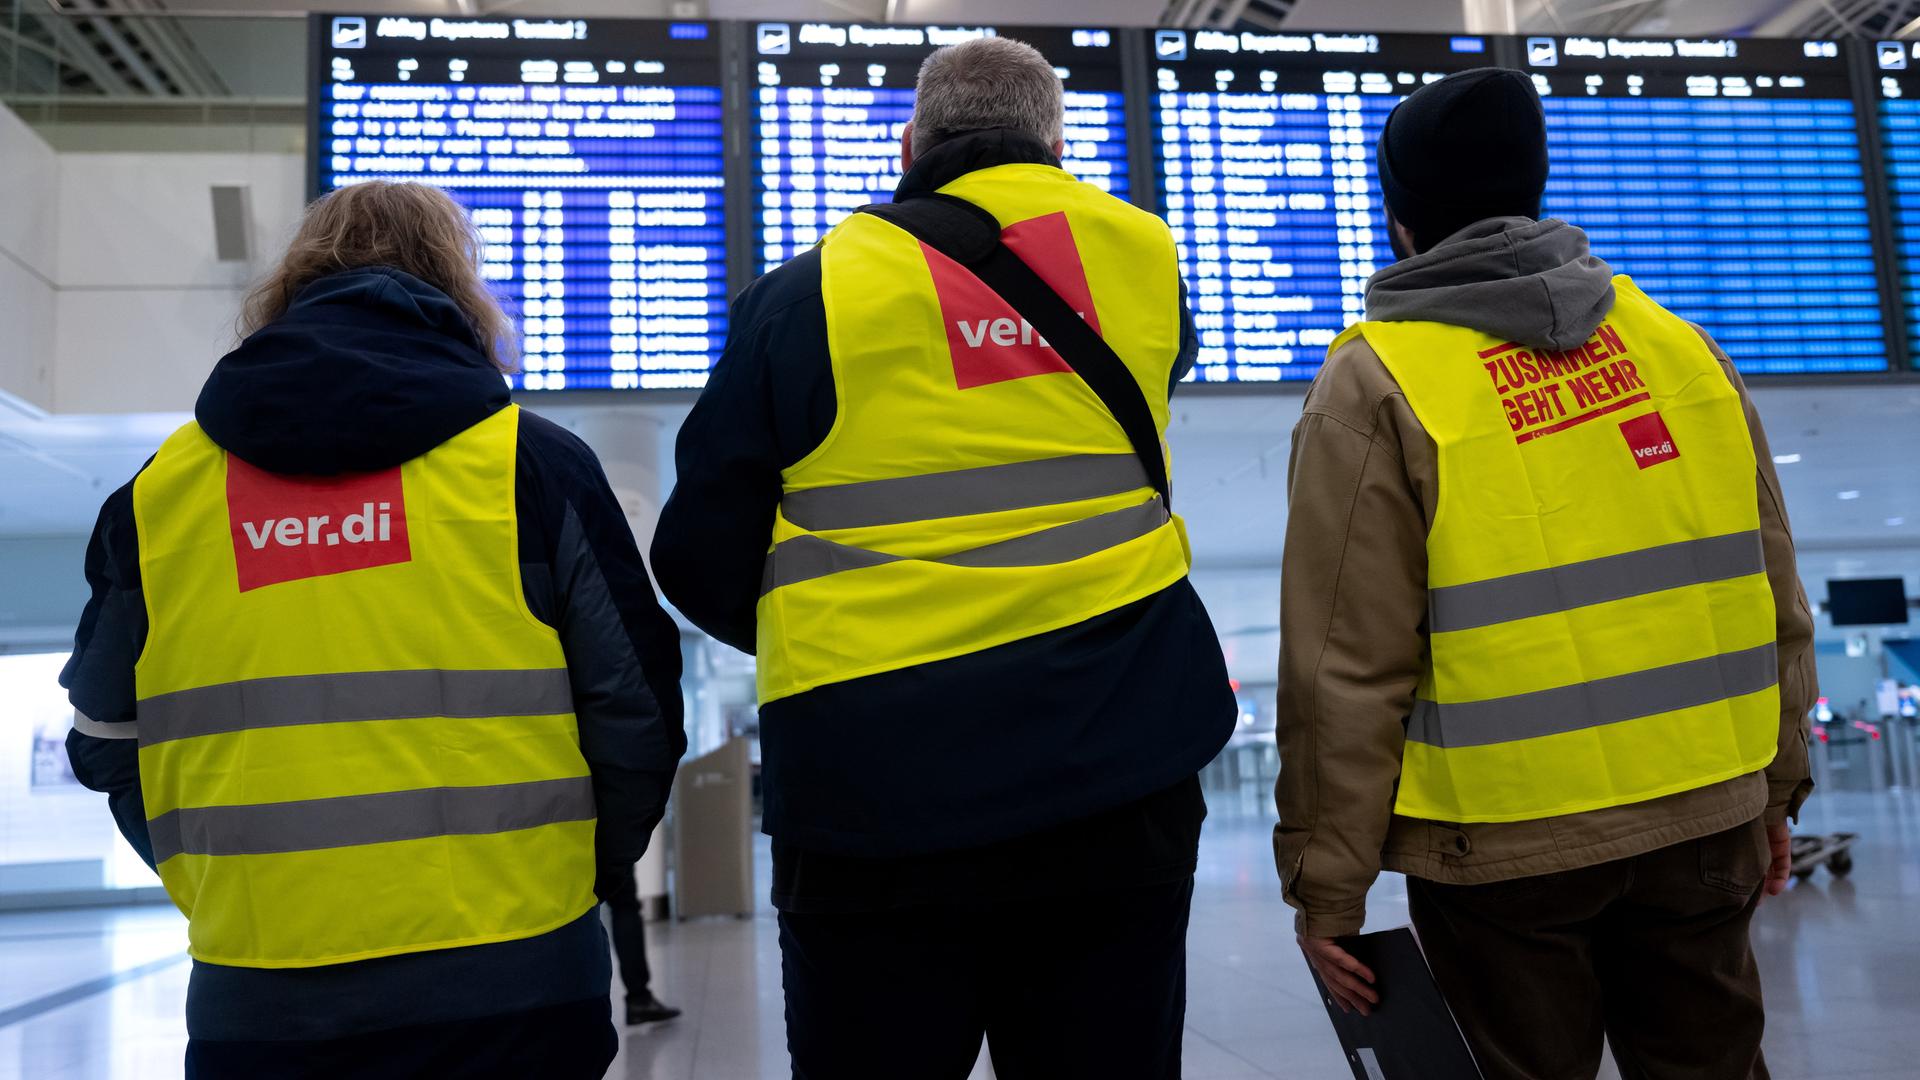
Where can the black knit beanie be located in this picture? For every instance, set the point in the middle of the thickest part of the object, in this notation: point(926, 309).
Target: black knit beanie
point(1468, 147)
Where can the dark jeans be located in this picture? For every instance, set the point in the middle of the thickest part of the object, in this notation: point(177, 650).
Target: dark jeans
point(1089, 985)
point(563, 1042)
point(629, 933)
point(1651, 952)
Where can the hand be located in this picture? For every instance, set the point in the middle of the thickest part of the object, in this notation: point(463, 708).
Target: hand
point(1348, 980)
point(1780, 843)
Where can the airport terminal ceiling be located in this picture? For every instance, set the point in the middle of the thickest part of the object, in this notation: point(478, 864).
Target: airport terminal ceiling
point(1776, 17)
point(1221, 449)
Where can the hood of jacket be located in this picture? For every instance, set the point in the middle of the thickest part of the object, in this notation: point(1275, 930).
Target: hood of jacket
point(971, 152)
point(367, 369)
point(1531, 282)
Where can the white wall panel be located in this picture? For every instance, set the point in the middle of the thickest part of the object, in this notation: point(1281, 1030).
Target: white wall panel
point(145, 221)
point(27, 346)
point(144, 307)
point(28, 175)
point(132, 349)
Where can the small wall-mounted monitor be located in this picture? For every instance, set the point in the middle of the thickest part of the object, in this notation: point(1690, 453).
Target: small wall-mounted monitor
point(1868, 602)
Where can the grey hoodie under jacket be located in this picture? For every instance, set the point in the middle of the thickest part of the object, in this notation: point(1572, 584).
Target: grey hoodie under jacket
point(1534, 282)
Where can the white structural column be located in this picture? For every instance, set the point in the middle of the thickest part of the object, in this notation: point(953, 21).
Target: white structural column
point(628, 442)
point(1491, 16)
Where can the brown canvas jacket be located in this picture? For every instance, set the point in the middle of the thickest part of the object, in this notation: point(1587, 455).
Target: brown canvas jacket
point(1363, 491)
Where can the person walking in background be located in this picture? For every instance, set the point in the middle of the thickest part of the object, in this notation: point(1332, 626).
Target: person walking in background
point(1544, 646)
point(372, 674)
point(625, 914)
point(987, 686)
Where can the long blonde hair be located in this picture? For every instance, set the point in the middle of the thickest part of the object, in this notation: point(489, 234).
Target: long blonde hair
point(412, 227)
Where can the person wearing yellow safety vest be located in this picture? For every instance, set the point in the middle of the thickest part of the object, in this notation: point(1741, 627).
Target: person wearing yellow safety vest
point(986, 684)
point(1544, 646)
point(373, 676)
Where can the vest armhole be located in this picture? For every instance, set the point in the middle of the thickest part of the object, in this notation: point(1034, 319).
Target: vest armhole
point(1415, 405)
point(853, 221)
point(1695, 334)
point(187, 432)
point(514, 414)
point(1356, 330)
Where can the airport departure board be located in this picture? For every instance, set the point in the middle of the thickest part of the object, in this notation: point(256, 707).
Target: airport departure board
point(590, 155)
point(1725, 176)
point(1896, 67)
point(1264, 157)
point(829, 101)
point(625, 175)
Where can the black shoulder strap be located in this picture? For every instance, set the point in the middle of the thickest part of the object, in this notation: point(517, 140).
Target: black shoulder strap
point(970, 236)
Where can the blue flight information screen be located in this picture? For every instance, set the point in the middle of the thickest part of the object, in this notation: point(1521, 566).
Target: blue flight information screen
point(829, 101)
point(1725, 176)
point(1897, 82)
point(590, 155)
point(1264, 156)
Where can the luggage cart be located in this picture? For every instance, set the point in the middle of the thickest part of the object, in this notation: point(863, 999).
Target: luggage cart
point(1834, 850)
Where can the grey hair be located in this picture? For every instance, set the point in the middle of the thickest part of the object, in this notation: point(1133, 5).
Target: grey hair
point(988, 82)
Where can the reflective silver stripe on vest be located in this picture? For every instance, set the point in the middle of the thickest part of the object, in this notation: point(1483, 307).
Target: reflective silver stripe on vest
point(118, 729)
point(353, 820)
point(360, 695)
point(1065, 543)
point(807, 557)
point(1596, 581)
point(804, 558)
point(985, 490)
point(1594, 704)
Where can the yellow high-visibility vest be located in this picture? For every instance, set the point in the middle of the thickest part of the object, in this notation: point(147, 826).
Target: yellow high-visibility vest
point(973, 491)
point(1602, 630)
point(356, 740)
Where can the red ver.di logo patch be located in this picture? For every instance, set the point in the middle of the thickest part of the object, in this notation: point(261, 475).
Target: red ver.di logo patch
point(286, 528)
point(1647, 436)
point(989, 341)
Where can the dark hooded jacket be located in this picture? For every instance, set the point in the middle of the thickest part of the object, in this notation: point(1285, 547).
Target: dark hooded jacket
point(368, 369)
point(1363, 491)
point(1063, 760)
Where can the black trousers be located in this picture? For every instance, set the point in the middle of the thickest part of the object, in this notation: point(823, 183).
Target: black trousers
point(1090, 985)
point(564, 1042)
point(629, 933)
point(1651, 952)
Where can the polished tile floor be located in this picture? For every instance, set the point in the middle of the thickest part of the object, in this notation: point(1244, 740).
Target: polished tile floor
point(97, 994)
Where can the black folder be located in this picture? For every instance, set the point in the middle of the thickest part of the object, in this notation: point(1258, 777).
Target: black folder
point(1411, 1034)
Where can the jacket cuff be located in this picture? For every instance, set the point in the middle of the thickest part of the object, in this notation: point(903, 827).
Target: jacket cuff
point(1786, 797)
point(1330, 924)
